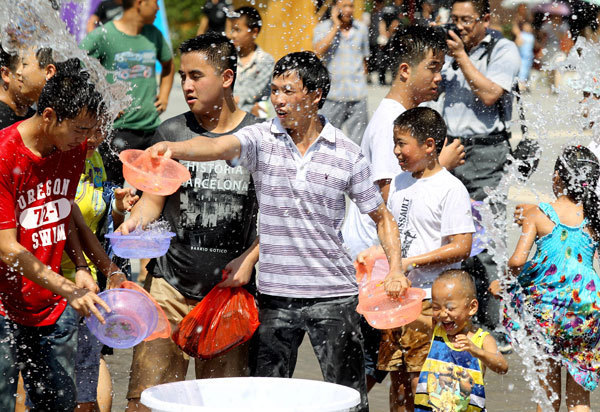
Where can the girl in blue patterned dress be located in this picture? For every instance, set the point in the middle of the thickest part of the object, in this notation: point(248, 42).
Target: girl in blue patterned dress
point(559, 286)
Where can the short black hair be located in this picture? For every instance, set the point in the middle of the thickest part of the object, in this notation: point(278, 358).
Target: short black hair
point(69, 94)
point(218, 49)
point(423, 123)
point(309, 68)
point(253, 20)
point(44, 57)
point(8, 60)
point(482, 7)
point(410, 44)
point(464, 278)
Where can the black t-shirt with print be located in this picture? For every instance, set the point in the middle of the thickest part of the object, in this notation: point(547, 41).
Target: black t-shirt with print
point(213, 215)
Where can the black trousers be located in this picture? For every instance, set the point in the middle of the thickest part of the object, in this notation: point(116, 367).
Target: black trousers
point(333, 327)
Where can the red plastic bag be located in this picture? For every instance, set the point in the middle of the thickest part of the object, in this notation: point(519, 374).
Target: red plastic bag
point(225, 318)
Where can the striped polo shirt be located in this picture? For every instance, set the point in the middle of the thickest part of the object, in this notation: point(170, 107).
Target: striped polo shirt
point(302, 206)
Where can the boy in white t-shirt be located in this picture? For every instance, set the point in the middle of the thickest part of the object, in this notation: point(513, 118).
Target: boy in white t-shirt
point(433, 211)
point(419, 56)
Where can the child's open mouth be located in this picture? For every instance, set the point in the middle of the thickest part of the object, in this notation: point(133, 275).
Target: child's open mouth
point(448, 325)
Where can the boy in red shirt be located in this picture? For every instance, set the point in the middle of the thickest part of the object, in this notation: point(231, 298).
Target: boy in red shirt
point(42, 158)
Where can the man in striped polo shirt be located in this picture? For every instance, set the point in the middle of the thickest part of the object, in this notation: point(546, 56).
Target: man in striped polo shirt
point(302, 168)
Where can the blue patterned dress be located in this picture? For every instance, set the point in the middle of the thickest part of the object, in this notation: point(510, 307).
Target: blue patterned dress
point(561, 289)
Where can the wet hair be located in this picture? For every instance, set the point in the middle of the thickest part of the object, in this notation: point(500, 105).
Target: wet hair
point(482, 7)
point(309, 68)
point(463, 278)
point(579, 170)
point(72, 66)
point(410, 44)
point(251, 15)
point(69, 94)
point(44, 57)
point(218, 49)
point(423, 123)
point(8, 60)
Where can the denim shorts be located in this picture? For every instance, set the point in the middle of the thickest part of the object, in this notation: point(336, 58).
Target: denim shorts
point(333, 327)
point(87, 364)
point(45, 356)
point(9, 373)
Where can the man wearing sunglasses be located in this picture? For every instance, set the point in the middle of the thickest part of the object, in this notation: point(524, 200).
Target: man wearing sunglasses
point(478, 78)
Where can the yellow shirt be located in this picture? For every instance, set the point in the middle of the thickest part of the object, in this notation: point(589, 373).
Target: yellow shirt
point(92, 206)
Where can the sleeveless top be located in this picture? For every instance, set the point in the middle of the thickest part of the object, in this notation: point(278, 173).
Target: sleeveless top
point(561, 290)
point(451, 380)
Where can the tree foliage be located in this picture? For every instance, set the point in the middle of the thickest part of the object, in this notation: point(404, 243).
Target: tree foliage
point(183, 17)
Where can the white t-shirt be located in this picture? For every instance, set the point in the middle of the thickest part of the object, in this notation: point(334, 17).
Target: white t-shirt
point(359, 231)
point(427, 212)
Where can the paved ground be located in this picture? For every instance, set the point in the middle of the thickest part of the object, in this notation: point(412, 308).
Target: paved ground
point(504, 393)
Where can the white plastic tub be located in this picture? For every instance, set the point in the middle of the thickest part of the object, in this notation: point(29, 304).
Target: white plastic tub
point(250, 395)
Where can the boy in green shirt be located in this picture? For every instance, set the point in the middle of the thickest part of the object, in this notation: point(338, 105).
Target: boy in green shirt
point(130, 47)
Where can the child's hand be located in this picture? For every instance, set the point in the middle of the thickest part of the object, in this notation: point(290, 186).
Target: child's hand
point(396, 284)
point(364, 256)
point(84, 302)
point(125, 199)
point(520, 211)
point(495, 289)
point(115, 279)
point(85, 280)
point(462, 342)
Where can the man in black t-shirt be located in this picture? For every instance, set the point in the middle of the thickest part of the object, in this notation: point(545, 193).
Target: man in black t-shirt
point(214, 215)
point(214, 16)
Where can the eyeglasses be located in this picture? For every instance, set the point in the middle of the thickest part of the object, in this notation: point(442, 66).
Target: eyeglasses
point(465, 20)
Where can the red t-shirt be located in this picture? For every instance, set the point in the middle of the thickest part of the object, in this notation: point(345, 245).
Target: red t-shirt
point(36, 194)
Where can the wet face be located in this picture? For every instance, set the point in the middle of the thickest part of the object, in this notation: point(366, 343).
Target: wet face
point(293, 103)
point(346, 10)
point(425, 78)
point(94, 140)
point(203, 86)
point(13, 85)
point(470, 24)
point(69, 133)
point(412, 156)
point(148, 10)
point(31, 76)
point(452, 308)
point(240, 34)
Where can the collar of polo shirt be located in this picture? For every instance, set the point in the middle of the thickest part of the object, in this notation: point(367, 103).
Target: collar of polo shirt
point(328, 132)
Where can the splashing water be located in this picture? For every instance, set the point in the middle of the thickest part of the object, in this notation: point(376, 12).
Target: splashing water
point(26, 24)
point(567, 121)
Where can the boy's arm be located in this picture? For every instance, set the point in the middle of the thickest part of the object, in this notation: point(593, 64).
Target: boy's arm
point(166, 83)
point(203, 25)
point(396, 282)
point(458, 249)
point(145, 211)
point(488, 354)
point(94, 250)
point(83, 276)
point(525, 243)
point(15, 255)
point(199, 149)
